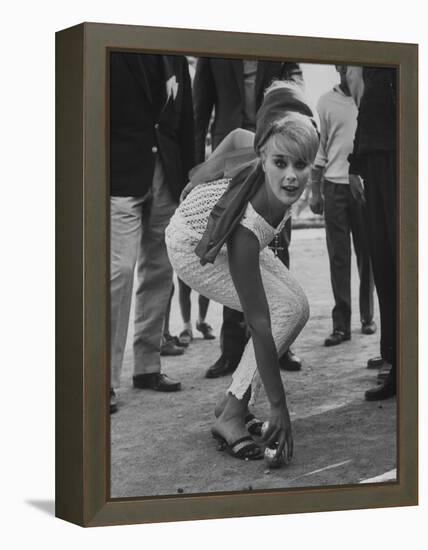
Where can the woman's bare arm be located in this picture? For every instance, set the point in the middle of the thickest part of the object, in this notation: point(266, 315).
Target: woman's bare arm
point(236, 141)
point(244, 253)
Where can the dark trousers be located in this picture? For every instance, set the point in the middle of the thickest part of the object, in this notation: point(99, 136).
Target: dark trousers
point(345, 216)
point(234, 334)
point(380, 184)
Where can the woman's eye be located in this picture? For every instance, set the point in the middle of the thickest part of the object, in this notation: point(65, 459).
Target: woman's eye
point(301, 164)
point(280, 164)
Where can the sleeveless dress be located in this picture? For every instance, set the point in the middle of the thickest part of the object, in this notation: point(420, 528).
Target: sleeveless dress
point(288, 305)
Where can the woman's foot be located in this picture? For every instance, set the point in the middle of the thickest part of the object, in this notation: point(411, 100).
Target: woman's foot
point(231, 430)
point(244, 448)
point(253, 424)
point(232, 436)
point(219, 408)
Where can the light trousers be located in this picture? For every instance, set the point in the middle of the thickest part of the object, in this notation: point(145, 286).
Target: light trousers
point(138, 243)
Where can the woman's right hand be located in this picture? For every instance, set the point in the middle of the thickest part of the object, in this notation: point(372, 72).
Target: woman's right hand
point(279, 431)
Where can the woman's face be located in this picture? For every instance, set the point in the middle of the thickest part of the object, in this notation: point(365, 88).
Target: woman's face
point(286, 175)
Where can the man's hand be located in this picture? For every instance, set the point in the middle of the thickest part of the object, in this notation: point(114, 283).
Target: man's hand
point(316, 202)
point(357, 188)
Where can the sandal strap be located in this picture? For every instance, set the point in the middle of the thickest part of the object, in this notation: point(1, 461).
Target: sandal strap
point(253, 424)
point(244, 446)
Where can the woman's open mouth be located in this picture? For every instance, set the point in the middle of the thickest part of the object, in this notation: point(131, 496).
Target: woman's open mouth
point(290, 188)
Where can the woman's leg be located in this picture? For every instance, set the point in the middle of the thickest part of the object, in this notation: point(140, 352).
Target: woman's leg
point(185, 303)
point(165, 332)
point(289, 311)
point(231, 421)
point(203, 308)
point(186, 335)
point(204, 328)
point(214, 282)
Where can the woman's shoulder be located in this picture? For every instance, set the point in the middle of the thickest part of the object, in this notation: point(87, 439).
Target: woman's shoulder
point(205, 195)
point(214, 187)
point(221, 181)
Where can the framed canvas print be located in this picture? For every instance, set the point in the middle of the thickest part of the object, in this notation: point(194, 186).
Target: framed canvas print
point(236, 274)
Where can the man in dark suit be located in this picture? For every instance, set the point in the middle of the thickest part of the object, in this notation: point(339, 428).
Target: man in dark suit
point(151, 152)
point(234, 89)
point(373, 179)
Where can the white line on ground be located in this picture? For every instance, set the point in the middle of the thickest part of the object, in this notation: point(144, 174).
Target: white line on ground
point(387, 476)
point(326, 407)
point(330, 467)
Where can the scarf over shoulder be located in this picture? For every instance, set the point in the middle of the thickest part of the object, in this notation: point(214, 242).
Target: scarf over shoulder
point(246, 169)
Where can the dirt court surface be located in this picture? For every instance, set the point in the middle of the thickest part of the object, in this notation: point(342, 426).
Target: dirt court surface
point(161, 443)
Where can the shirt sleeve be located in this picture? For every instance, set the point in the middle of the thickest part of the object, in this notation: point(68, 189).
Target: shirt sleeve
point(354, 78)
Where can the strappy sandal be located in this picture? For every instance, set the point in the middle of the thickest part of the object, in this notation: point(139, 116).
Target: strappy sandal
point(253, 425)
point(244, 448)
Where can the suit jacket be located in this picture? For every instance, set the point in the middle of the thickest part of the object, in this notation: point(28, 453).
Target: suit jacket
point(138, 132)
point(377, 117)
point(219, 83)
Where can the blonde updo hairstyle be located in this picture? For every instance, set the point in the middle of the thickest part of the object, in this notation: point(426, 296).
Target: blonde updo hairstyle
point(293, 135)
point(287, 122)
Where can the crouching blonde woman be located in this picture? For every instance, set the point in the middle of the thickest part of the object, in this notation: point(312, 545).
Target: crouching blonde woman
point(217, 244)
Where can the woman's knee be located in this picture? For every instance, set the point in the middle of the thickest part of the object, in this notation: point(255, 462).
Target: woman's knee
point(298, 307)
point(301, 306)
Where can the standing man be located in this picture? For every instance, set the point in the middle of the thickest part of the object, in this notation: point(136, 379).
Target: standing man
point(151, 152)
point(373, 176)
point(234, 89)
point(344, 214)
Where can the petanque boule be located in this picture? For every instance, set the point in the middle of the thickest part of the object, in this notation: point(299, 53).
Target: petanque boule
point(271, 458)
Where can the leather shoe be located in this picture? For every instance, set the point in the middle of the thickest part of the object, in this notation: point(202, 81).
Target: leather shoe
point(368, 328)
point(155, 381)
point(113, 401)
point(384, 371)
point(169, 347)
point(375, 363)
point(336, 338)
point(290, 362)
point(222, 367)
point(206, 330)
point(383, 391)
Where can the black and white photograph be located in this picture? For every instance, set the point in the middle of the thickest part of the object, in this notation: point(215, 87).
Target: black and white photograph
point(253, 274)
point(213, 275)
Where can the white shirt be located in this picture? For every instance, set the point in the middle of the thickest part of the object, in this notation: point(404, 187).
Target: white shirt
point(338, 120)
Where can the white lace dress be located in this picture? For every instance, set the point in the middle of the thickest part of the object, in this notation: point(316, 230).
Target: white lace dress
point(288, 305)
